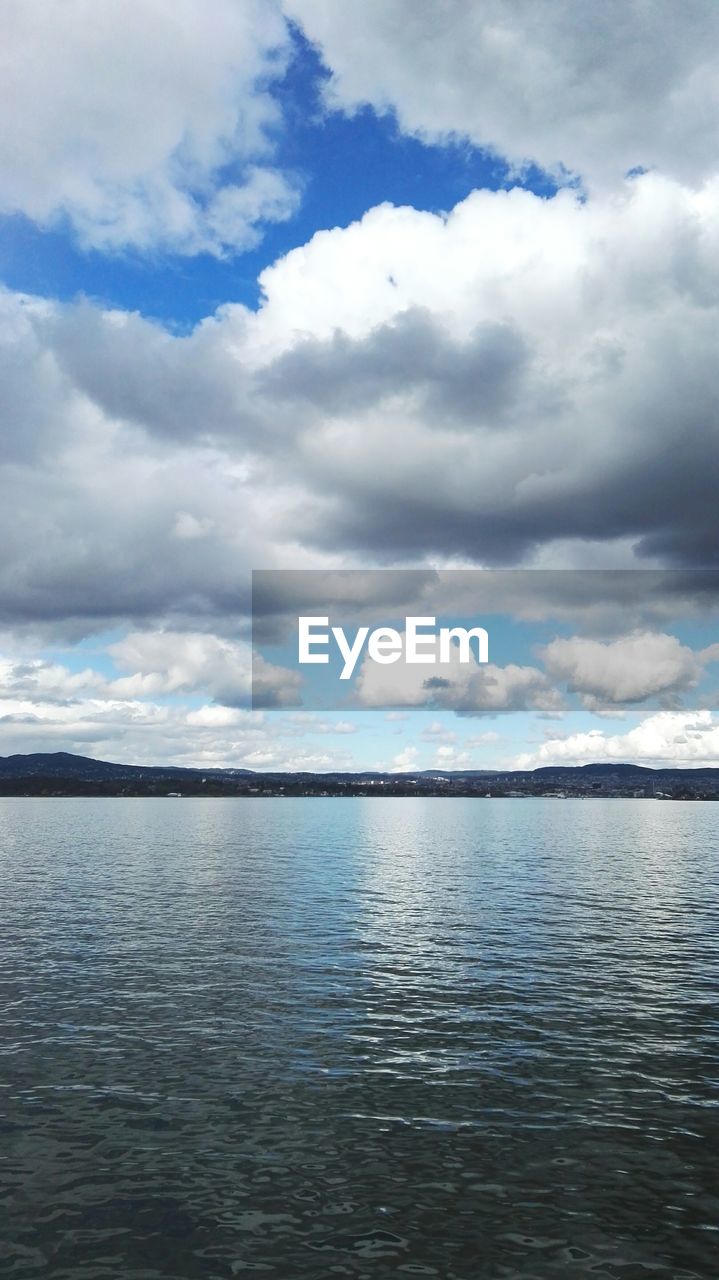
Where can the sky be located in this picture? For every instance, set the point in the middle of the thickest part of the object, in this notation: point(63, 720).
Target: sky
point(395, 286)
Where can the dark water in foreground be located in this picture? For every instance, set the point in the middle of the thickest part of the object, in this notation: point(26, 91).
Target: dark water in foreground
point(360, 1038)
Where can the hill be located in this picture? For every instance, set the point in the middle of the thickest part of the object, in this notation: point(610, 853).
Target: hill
point(62, 773)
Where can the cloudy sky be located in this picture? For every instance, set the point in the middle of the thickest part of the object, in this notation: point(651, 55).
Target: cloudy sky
point(393, 285)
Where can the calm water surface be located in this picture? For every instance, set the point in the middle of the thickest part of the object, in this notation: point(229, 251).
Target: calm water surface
point(359, 1038)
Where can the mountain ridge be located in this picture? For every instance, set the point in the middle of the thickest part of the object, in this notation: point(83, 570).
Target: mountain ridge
point(67, 765)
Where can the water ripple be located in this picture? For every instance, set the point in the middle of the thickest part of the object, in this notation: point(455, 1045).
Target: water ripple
point(360, 1038)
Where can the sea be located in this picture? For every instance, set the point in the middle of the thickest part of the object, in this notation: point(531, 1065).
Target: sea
point(362, 1038)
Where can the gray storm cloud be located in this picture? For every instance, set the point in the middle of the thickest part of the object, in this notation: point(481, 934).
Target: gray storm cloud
point(515, 378)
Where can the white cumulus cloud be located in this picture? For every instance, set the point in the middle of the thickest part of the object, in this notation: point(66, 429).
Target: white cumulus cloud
point(629, 669)
point(532, 374)
point(594, 89)
point(145, 123)
point(469, 689)
point(668, 738)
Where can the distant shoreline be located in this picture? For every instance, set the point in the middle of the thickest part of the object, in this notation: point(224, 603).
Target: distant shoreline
point(336, 795)
point(57, 774)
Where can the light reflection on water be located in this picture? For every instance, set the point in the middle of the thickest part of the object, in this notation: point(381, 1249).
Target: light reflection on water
point(357, 1038)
